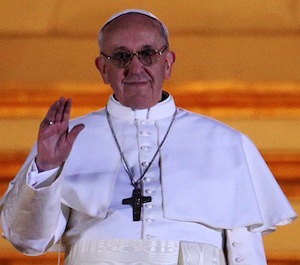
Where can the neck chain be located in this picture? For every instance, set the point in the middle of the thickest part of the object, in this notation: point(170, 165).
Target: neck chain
point(136, 183)
point(137, 199)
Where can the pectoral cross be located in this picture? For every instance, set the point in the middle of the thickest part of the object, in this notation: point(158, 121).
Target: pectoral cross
point(136, 201)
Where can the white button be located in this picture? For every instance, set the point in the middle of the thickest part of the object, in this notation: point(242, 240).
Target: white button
point(239, 259)
point(144, 133)
point(236, 244)
point(147, 179)
point(149, 191)
point(145, 148)
point(145, 164)
point(149, 206)
point(149, 220)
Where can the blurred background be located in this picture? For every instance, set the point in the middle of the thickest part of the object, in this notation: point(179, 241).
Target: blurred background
point(237, 61)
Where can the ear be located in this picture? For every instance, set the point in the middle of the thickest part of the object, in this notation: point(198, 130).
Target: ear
point(101, 66)
point(170, 60)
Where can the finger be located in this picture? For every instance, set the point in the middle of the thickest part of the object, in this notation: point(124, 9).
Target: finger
point(72, 135)
point(51, 113)
point(46, 122)
point(67, 111)
point(60, 110)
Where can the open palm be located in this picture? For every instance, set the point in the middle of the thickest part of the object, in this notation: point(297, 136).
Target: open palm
point(55, 141)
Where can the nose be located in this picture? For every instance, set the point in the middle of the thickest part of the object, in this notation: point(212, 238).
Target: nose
point(135, 66)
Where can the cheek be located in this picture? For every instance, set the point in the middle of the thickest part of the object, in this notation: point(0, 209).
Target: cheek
point(115, 81)
point(115, 77)
point(160, 75)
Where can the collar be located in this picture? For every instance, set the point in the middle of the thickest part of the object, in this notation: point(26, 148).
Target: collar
point(161, 110)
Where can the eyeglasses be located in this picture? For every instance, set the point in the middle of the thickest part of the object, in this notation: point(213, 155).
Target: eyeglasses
point(147, 57)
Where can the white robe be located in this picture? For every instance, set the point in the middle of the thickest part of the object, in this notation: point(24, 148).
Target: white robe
point(210, 174)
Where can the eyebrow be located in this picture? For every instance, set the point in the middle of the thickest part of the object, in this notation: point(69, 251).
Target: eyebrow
point(122, 48)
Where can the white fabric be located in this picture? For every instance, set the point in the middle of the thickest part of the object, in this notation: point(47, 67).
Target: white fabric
point(144, 252)
point(124, 252)
point(30, 219)
point(244, 247)
point(191, 253)
point(208, 158)
point(212, 177)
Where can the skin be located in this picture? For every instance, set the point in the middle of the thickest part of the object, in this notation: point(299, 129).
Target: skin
point(54, 142)
point(137, 86)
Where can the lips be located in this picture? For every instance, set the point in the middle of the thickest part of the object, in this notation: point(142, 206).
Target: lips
point(136, 83)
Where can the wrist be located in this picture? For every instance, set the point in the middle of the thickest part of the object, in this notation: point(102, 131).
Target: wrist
point(41, 167)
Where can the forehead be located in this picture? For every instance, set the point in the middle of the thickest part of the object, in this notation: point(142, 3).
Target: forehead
point(131, 28)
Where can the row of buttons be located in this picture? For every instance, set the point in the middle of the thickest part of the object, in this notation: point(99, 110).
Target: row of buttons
point(237, 245)
point(145, 131)
point(150, 189)
point(146, 145)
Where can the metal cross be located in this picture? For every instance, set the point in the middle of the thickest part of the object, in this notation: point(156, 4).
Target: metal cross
point(137, 201)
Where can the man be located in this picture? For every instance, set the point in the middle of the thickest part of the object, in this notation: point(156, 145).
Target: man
point(141, 181)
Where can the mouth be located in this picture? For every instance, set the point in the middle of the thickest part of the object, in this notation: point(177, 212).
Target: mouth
point(136, 83)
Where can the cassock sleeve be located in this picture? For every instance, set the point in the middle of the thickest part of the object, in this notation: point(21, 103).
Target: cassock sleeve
point(32, 219)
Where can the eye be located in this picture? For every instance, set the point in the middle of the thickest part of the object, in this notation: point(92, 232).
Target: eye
point(122, 56)
point(147, 52)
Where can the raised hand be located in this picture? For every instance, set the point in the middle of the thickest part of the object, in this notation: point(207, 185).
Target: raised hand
point(55, 142)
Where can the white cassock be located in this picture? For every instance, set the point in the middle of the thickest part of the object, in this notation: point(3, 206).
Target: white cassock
point(208, 185)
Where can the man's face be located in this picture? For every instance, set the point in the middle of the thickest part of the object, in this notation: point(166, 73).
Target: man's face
point(136, 86)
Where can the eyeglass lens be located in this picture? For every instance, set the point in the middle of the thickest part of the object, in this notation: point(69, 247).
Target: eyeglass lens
point(146, 57)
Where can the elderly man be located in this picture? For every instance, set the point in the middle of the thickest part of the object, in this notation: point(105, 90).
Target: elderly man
point(142, 181)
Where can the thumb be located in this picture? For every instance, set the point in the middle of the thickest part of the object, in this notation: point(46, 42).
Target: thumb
point(72, 135)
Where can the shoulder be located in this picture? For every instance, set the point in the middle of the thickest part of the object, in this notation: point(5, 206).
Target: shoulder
point(194, 122)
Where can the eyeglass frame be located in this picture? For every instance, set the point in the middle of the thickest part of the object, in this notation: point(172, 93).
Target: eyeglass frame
point(159, 52)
